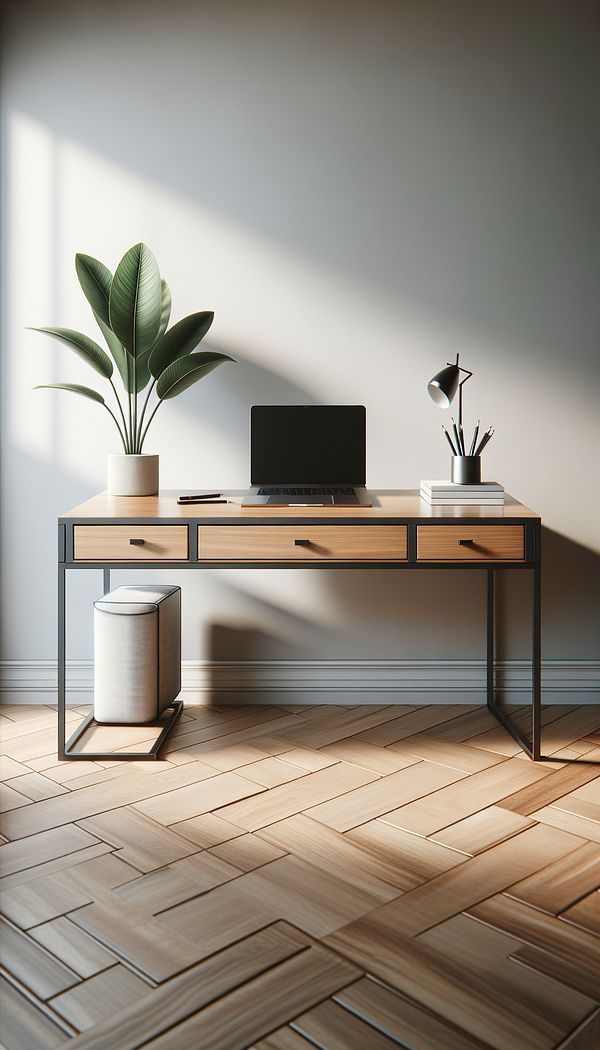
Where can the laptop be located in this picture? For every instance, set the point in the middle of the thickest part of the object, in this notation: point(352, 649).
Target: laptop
point(307, 456)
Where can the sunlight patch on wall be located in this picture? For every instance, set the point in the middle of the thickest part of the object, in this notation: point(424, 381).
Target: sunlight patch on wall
point(30, 280)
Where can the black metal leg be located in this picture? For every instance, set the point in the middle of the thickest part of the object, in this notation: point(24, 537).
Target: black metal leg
point(106, 580)
point(531, 748)
point(62, 655)
point(490, 647)
point(536, 663)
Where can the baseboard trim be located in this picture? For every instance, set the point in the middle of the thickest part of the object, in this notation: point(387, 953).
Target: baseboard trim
point(324, 681)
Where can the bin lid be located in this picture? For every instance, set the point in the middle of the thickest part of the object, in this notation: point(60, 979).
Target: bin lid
point(133, 601)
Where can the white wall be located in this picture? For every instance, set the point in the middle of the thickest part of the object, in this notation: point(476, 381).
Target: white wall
point(358, 191)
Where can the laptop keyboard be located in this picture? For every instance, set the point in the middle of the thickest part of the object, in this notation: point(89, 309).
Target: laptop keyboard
point(306, 492)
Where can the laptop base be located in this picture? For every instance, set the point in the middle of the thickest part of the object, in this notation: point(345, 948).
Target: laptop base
point(359, 497)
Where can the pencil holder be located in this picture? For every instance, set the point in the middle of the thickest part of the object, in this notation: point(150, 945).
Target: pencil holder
point(466, 470)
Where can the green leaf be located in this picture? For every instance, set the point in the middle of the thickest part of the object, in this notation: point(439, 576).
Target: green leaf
point(74, 388)
point(95, 279)
point(124, 361)
point(135, 300)
point(165, 307)
point(84, 347)
point(143, 370)
point(186, 371)
point(118, 351)
point(179, 341)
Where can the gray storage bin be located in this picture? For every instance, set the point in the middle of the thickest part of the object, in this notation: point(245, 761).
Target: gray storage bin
point(137, 653)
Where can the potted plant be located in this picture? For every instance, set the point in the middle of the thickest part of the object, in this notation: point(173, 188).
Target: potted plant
point(132, 310)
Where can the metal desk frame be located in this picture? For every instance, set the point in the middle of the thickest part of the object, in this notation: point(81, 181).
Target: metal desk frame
point(530, 563)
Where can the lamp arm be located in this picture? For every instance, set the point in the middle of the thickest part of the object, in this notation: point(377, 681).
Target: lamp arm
point(460, 369)
point(460, 393)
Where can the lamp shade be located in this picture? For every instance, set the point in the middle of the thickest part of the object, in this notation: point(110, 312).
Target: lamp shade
point(444, 385)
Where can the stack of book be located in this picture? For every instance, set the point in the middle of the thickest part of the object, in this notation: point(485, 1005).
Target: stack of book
point(447, 494)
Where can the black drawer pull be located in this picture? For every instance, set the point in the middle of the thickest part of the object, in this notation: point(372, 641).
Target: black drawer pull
point(466, 543)
point(137, 543)
point(302, 543)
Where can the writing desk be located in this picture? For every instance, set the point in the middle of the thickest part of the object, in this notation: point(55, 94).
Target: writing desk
point(400, 531)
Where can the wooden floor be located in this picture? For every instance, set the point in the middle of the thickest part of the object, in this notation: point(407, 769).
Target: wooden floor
point(292, 877)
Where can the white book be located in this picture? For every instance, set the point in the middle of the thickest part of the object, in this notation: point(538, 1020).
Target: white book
point(463, 495)
point(451, 487)
point(467, 494)
point(465, 506)
point(463, 503)
point(464, 491)
point(452, 500)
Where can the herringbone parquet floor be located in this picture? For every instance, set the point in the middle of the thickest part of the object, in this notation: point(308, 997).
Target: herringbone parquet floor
point(297, 877)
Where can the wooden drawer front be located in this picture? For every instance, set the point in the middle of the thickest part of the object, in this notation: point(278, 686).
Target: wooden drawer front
point(320, 542)
point(113, 542)
point(484, 542)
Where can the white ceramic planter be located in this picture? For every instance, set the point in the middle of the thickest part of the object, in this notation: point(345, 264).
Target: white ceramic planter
point(133, 475)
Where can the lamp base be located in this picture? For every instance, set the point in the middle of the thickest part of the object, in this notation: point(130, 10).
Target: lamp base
point(466, 470)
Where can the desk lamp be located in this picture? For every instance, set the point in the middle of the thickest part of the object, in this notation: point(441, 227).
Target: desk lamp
point(466, 470)
point(442, 388)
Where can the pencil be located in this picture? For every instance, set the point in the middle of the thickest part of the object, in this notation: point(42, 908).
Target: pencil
point(456, 436)
point(474, 441)
point(486, 437)
point(449, 440)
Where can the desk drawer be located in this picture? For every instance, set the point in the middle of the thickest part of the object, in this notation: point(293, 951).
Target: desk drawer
point(470, 543)
point(117, 542)
point(302, 542)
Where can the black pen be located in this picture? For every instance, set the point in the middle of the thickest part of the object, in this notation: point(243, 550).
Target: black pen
point(200, 496)
point(200, 502)
point(449, 440)
point(456, 437)
point(474, 441)
point(462, 438)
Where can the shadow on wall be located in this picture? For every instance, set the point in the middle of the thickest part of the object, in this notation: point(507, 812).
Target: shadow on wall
point(290, 635)
point(205, 439)
point(570, 603)
point(354, 614)
point(570, 594)
point(228, 644)
point(234, 388)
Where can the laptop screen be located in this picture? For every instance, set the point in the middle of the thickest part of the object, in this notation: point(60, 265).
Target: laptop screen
point(308, 445)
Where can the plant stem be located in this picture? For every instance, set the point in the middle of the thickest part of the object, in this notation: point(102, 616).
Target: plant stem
point(122, 414)
point(130, 431)
point(154, 411)
point(135, 397)
point(121, 435)
point(143, 413)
